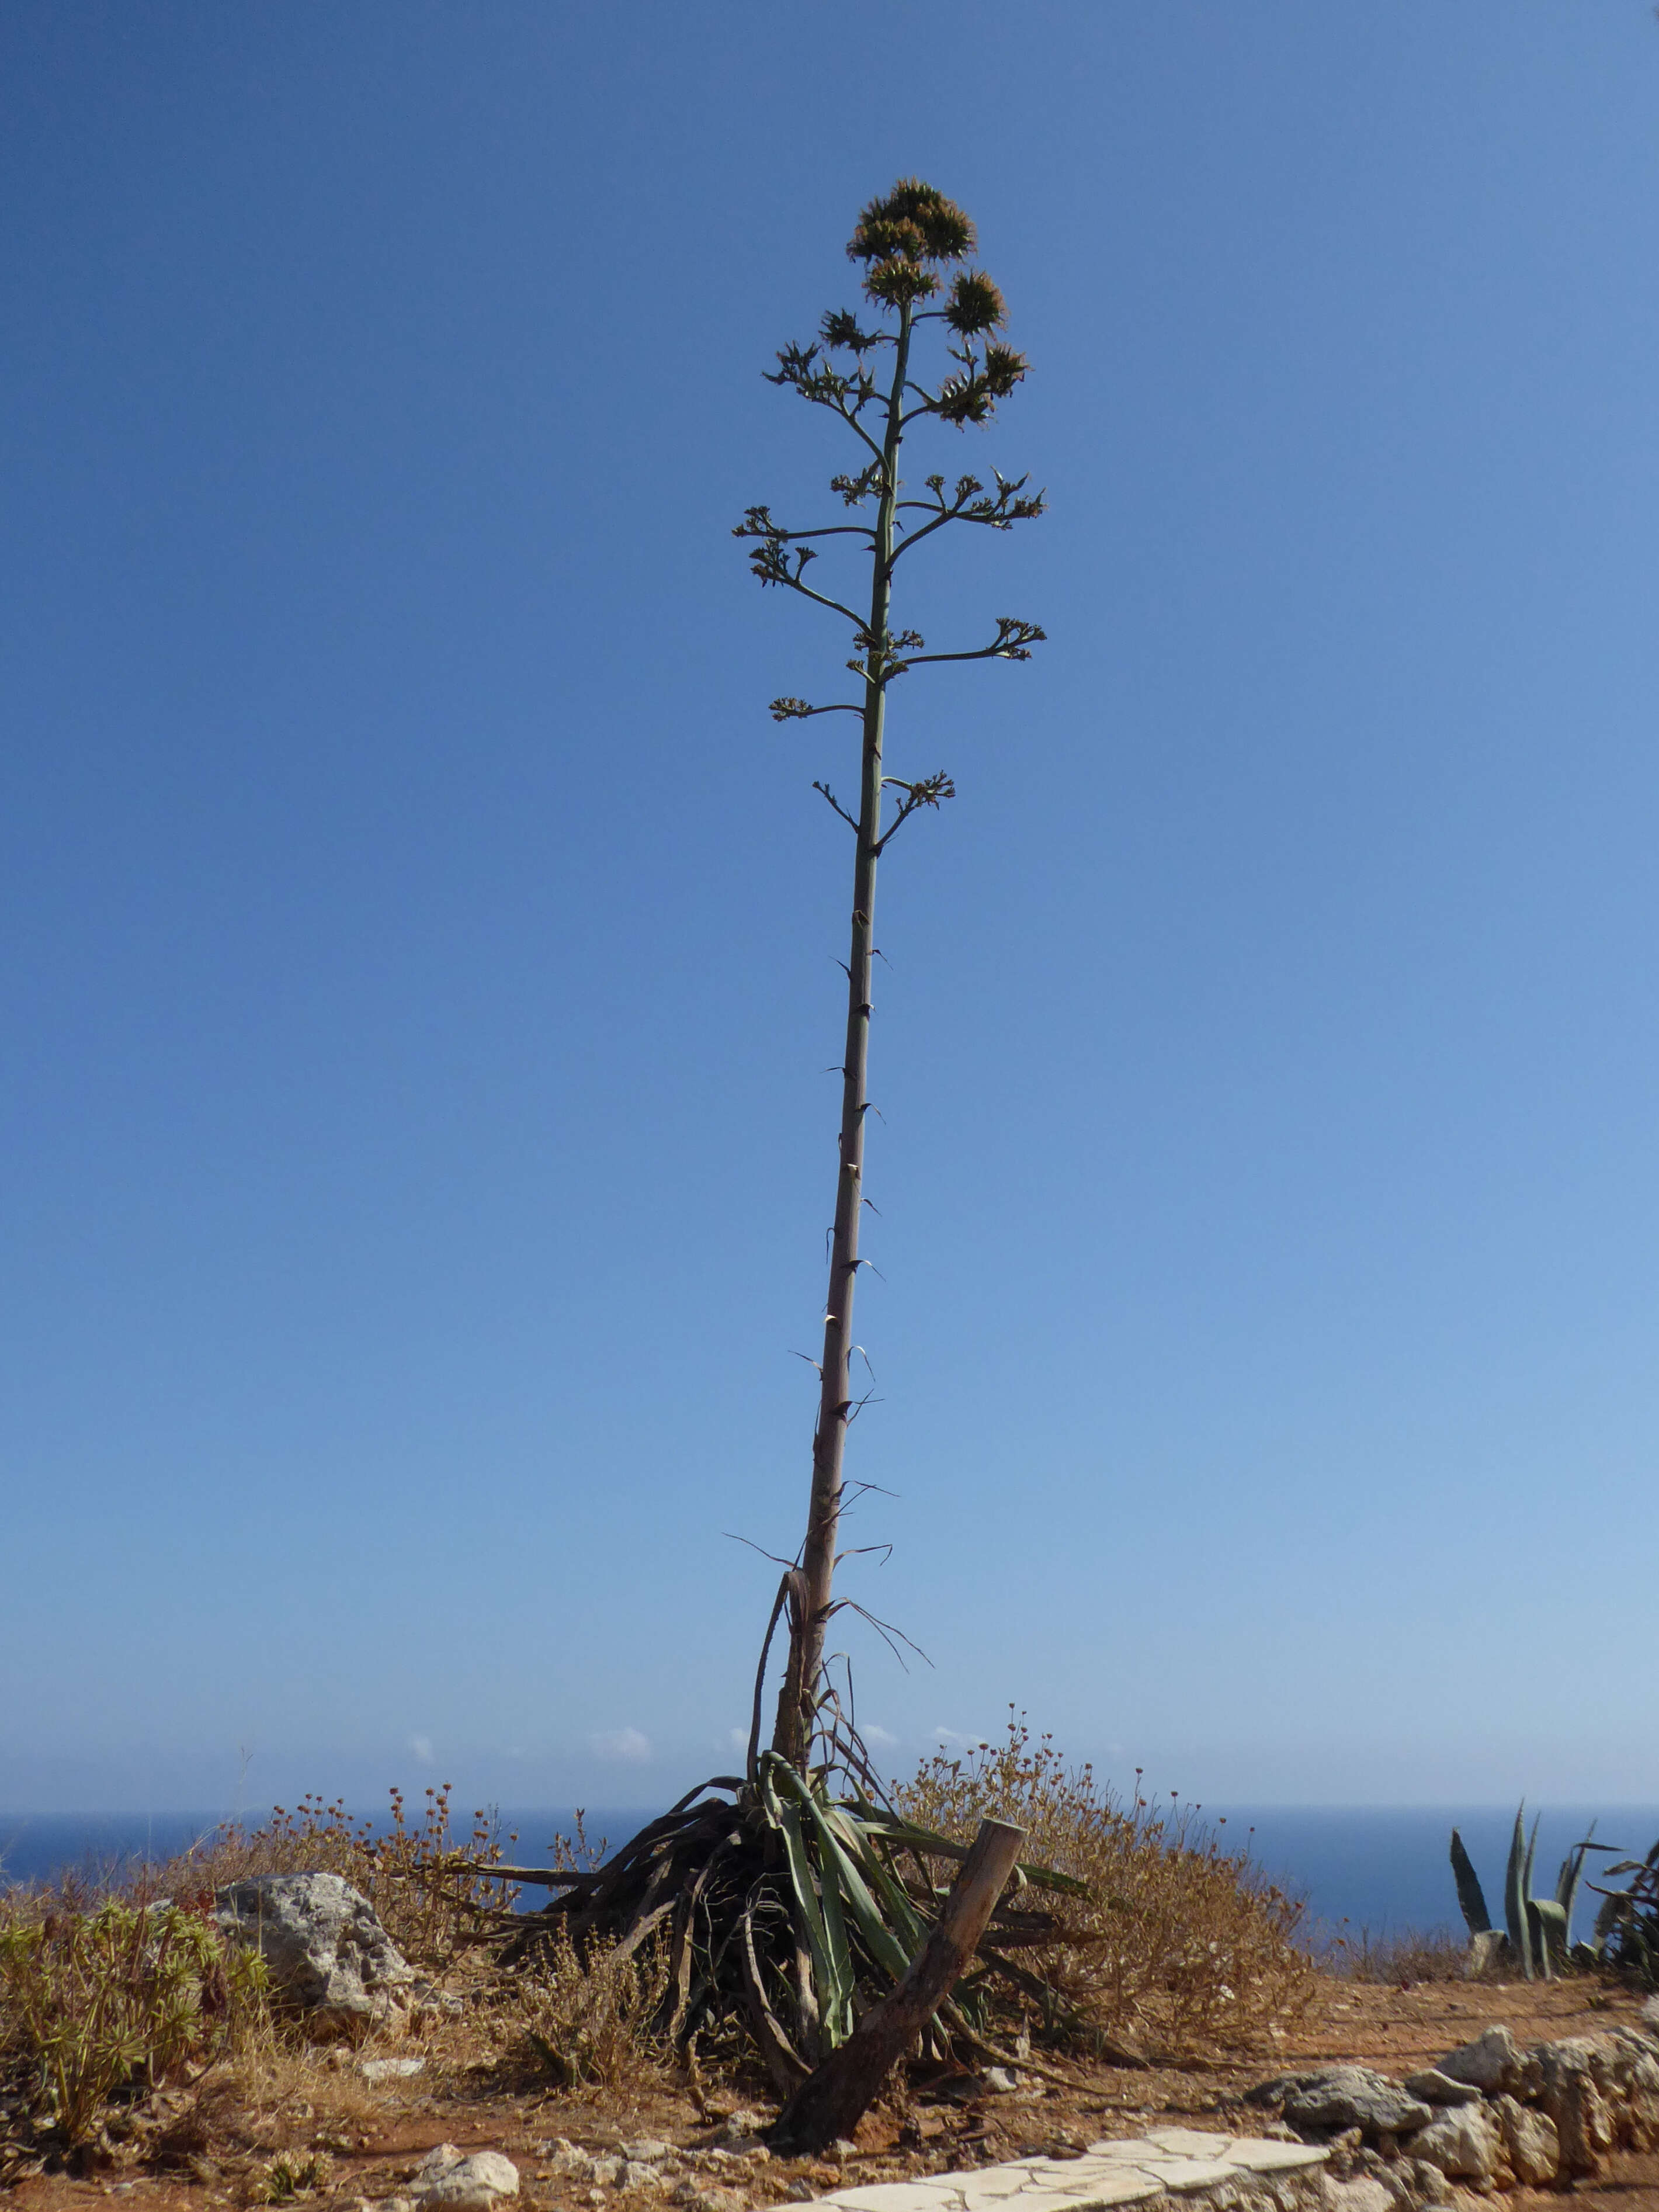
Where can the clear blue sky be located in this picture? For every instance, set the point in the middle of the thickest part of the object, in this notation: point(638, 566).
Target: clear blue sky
point(420, 944)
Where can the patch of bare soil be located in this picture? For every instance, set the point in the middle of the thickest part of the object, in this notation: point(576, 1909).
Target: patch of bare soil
point(215, 2145)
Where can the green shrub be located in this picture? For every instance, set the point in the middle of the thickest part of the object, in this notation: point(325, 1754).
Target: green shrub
point(93, 2002)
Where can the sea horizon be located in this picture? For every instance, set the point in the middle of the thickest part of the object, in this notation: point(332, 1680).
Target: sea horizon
point(1362, 1870)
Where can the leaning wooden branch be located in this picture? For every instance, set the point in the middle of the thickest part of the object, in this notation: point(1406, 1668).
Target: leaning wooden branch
point(832, 2100)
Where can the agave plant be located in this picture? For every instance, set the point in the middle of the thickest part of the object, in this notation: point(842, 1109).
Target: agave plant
point(1627, 1924)
point(1539, 1929)
point(789, 1904)
point(792, 1896)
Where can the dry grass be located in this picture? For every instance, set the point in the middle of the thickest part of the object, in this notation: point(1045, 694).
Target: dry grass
point(427, 1885)
point(594, 2020)
point(1399, 1959)
point(269, 2116)
point(1180, 1950)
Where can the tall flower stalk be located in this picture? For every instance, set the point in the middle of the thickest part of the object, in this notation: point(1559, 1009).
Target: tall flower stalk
point(915, 247)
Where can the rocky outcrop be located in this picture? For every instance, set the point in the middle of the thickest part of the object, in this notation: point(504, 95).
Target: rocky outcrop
point(1574, 2078)
point(1331, 2099)
point(1489, 2115)
point(324, 1947)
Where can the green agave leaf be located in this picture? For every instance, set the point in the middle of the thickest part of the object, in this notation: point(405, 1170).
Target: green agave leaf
point(1607, 1918)
point(883, 1945)
point(1566, 1885)
point(772, 1811)
point(1540, 1963)
point(924, 1839)
point(1470, 1895)
point(844, 1973)
point(833, 1970)
point(909, 1923)
point(1515, 1892)
point(1549, 1927)
point(830, 1996)
point(839, 1871)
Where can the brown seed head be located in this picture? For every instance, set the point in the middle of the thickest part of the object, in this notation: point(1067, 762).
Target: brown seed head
point(975, 305)
point(945, 232)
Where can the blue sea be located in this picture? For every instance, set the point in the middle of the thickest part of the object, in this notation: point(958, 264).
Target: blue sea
point(1371, 1870)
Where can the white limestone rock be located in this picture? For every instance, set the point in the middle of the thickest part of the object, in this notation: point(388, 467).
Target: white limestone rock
point(1363, 2195)
point(1259, 2154)
point(323, 1945)
point(1531, 2142)
point(1574, 2076)
point(1464, 2144)
point(1337, 2097)
point(1437, 2088)
point(448, 2181)
point(562, 2156)
point(1488, 1950)
point(1493, 2062)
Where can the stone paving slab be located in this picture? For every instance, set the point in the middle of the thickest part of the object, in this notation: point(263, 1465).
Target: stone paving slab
point(1165, 2162)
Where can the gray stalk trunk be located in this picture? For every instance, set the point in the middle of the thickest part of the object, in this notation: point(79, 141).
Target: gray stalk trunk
point(811, 1584)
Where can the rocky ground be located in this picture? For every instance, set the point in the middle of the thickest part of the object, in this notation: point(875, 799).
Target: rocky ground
point(328, 2128)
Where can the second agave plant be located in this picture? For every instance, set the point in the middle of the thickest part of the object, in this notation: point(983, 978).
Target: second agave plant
point(1538, 1930)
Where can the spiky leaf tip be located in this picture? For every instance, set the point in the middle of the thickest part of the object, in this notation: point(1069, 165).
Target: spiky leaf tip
point(1003, 369)
point(976, 305)
point(840, 329)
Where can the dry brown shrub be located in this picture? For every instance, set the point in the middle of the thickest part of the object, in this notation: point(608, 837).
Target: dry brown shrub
point(280, 2100)
point(428, 1885)
point(592, 2018)
point(1179, 1949)
point(1400, 1958)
